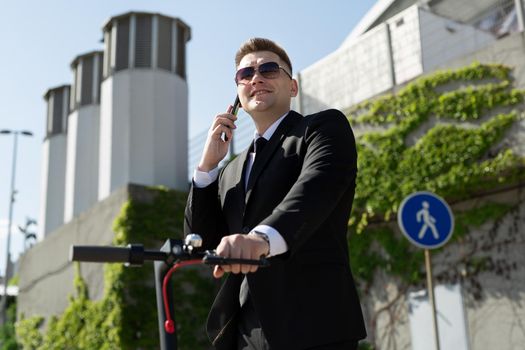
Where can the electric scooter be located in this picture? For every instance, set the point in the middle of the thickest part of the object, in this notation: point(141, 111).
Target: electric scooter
point(171, 256)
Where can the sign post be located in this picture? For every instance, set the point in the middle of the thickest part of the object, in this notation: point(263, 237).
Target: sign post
point(430, 287)
point(427, 221)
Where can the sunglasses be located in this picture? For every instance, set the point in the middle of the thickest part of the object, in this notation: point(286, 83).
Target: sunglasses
point(269, 70)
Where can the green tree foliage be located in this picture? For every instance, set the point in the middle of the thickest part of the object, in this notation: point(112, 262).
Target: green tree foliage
point(7, 330)
point(126, 318)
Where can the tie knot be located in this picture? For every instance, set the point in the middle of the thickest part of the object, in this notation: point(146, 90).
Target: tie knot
point(259, 144)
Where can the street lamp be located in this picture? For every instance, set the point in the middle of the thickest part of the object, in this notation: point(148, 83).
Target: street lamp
point(28, 235)
point(11, 203)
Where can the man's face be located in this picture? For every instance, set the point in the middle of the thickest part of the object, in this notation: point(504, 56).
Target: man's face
point(262, 95)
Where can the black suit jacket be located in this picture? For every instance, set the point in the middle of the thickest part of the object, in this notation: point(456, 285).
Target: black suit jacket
point(302, 184)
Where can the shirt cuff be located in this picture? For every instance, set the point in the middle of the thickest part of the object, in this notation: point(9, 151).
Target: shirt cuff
point(277, 243)
point(202, 179)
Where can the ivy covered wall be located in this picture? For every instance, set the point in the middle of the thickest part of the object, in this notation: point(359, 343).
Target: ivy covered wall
point(443, 133)
point(446, 133)
point(126, 317)
point(459, 155)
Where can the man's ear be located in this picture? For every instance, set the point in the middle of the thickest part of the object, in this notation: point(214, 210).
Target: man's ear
point(294, 88)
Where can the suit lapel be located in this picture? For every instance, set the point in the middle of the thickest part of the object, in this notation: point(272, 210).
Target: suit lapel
point(240, 170)
point(275, 141)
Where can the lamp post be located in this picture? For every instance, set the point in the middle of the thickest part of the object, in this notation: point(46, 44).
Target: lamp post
point(28, 234)
point(11, 203)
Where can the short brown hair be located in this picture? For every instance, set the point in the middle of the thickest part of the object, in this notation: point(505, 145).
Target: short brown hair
point(261, 44)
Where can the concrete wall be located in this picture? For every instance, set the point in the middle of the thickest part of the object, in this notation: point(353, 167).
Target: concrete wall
point(46, 275)
point(509, 51)
point(406, 41)
point(497, 321)
point(347, 76)
point(443, 39)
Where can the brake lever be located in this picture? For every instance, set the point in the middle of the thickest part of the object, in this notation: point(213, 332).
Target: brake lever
point(211, 258)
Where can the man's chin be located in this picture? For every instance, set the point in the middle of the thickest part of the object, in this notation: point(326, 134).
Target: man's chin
point(259, 106)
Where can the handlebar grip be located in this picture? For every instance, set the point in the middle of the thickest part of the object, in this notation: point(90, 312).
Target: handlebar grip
point(219, 260)
point(99, 254)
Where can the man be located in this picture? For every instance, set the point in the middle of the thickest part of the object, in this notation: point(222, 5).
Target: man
point(289, 201)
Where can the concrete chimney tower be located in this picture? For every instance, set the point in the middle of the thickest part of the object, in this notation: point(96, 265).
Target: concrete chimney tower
point(144, 103)
point(83, 135)
point(54, 160)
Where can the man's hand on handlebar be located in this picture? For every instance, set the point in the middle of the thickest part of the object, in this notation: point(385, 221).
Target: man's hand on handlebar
point(240, 246)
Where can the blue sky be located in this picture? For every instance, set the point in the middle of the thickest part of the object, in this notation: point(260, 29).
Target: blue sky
point(41, 38)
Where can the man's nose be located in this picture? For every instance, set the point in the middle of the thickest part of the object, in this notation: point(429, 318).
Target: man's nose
point(257, 77)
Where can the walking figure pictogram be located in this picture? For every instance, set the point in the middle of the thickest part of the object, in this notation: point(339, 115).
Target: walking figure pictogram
point(428, 221)
point(424, 211)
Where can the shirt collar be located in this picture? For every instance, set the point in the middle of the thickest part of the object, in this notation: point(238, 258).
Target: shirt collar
point(269, 132)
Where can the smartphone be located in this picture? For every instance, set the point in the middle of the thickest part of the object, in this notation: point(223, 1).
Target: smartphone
point(235, 109)
point(236, 105)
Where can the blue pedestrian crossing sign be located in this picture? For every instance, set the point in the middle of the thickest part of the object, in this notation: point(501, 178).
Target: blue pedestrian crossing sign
point(425, 219)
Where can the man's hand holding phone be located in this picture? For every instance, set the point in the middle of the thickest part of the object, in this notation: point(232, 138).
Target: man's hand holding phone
point(216, 146)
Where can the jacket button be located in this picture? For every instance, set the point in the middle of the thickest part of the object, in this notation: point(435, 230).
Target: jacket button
point(245, 229)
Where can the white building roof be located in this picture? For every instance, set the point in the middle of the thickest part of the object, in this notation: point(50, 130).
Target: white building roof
point(463, 11)
point(370, 19)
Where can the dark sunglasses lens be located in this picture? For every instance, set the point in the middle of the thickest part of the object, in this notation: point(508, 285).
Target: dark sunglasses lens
point(269, 69)
point(244, 74)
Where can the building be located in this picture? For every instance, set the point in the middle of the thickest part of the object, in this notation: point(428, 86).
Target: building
point(122, 122)
point(400, 40)
point(396, 42)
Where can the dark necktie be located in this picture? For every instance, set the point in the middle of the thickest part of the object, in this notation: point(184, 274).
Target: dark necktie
point(259, 144)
